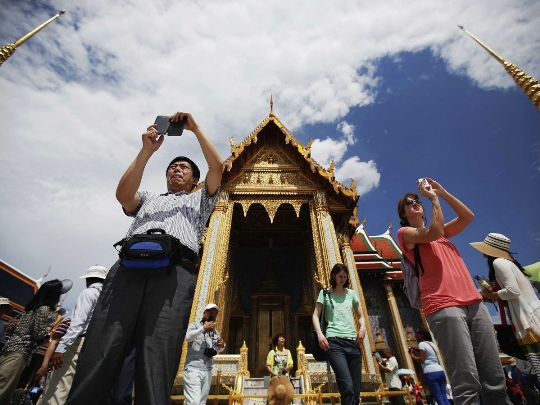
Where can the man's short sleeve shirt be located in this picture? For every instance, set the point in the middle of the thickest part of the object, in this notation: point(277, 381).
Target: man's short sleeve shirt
point(182, 215)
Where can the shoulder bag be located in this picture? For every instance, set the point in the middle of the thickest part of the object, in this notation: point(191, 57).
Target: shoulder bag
point(318, 353)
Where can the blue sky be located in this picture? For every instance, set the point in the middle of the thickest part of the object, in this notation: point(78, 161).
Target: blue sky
point(390, 92)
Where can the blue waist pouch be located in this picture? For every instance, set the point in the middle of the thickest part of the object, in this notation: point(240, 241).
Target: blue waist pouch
point(153, 250)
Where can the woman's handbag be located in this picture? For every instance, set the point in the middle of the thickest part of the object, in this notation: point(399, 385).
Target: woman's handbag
point(318, 353)
point(153, 250)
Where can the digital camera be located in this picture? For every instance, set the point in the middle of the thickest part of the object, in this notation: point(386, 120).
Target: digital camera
point(210, 352)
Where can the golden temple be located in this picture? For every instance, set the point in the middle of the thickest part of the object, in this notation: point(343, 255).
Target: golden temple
point(282, 221)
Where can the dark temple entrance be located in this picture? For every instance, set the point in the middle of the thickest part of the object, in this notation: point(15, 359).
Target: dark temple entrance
point(271, 269)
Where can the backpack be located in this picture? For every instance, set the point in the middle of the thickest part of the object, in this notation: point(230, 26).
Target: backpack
point(411, 282)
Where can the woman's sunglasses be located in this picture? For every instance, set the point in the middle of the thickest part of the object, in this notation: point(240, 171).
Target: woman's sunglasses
point(411, 202)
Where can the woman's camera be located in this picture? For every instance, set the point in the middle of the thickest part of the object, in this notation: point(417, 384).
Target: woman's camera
point(209, 352)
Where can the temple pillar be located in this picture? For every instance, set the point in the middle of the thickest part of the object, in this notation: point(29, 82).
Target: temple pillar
point(369, 344)
point(324, 235)
point(252, 335)
point(213, 264)
point(400, 331)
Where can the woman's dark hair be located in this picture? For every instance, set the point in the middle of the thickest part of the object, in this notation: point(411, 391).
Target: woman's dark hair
point(401, 208)
point(48, 294)
point(491, 275)
point(276, 338)
point(339, 267)
point(426, 334)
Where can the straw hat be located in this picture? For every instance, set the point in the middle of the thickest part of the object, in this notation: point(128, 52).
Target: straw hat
point(280, 391)
point(495, 245)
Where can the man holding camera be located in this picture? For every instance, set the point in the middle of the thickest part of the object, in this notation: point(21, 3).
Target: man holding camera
point(390, 367)
point(148, 302)
point(204, 342)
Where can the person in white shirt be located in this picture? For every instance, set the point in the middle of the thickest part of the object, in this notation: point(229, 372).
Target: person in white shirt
point(390, 367)
point(64, 359)
point(204, 342)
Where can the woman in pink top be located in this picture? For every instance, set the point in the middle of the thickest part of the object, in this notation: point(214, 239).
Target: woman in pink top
point(453, 307)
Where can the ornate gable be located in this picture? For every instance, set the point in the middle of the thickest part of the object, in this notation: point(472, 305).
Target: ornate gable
point(272, 147)
point(271, 170)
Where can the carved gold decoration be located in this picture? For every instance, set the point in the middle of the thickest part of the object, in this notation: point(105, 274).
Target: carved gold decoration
point(253, 181)
point(305, 151)
point(272, 205)
point(321, 275)
point(8, 50)
point(236, 150)
point(411, 340)
point(354, 221)
point(380, 344)
point(328, 173)
point(270, 157)
point(527, 83)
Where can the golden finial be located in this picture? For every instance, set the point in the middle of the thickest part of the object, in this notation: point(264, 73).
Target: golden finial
point(331, 167)
point(390, 226)
point(271, 106)
point(365, 219)
point(8, 50)
point(487, 48)
point(527, 83)
point(353, 186)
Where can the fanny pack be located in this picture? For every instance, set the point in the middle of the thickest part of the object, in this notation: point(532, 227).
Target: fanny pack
point(153, 250)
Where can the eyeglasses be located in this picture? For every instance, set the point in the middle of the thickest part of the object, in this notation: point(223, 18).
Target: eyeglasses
point(182, 166)
point(411, 202)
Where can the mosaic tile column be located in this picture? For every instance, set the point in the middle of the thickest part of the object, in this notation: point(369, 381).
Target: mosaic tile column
point(369, 345)
point(400, 330)
point(324, 235)
point(213, 263)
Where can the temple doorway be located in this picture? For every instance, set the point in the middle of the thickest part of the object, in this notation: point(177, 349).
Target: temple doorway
point(271, 265)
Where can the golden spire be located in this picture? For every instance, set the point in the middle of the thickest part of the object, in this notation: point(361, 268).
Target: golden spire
point(8, 50)
point(527, 83)
point(271, 106)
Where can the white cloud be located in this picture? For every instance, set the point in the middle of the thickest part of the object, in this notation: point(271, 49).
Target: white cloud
point(348, 131)
point(365, 174)
point(77, 96)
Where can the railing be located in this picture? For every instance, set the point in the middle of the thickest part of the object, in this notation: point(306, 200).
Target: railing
point(311, 399)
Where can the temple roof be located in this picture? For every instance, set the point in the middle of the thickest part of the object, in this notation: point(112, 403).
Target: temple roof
point(302, 151)
point(387, 246)
point(376, 253)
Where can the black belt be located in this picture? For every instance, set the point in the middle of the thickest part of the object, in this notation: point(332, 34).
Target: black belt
point(341, 337)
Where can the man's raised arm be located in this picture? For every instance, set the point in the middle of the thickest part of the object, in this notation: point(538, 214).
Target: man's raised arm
point(126, 192)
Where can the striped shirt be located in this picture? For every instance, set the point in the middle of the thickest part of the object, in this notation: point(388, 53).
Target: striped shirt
point(182, 215)
point(61, 329)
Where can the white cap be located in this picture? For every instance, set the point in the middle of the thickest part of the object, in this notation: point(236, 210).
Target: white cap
point(211, 306)
point(96, 271)
point(4, 301)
